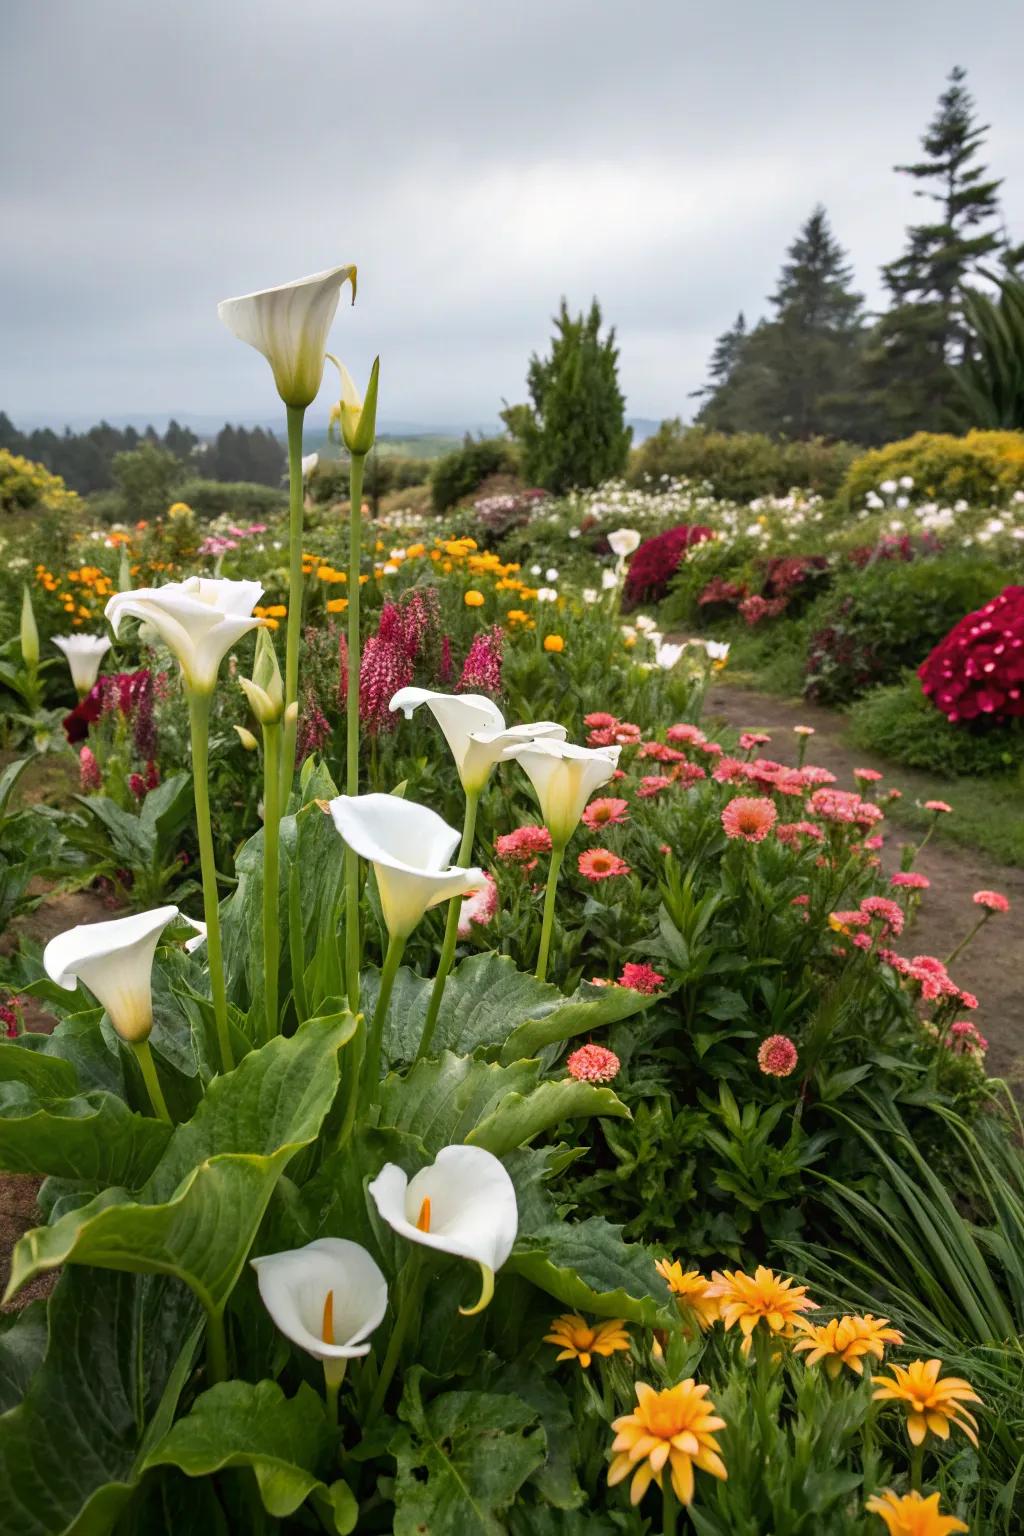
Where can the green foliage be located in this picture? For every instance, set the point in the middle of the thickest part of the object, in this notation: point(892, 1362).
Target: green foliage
point(876, 622)
point(742, 465)
point(147, 479)
point(461, 472)
point(901, 724)
point(983, 467)
point(992, 376)
point(84, 459)
point(137, 850)
point(28, 487)
point(244, 501)
point(574, 433)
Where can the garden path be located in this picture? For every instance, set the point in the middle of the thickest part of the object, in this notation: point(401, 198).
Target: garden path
point(993, 967)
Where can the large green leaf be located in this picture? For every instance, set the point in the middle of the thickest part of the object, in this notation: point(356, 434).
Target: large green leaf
point(282, 1439)
point(22, 1347)
point(443, 1100)
point(196, 1217)
point(588, 1009)
point(587, 1265)
point(462, 1458)
point(521, 1117)
point(120, 1349)
point(485, 999)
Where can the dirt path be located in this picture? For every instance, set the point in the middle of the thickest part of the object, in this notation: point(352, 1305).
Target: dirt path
point(993, 966)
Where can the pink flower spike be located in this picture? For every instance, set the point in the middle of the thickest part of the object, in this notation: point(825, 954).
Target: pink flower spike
point(993, 901)
point(593, 1063)
point(640, 978)
point(777, 1056)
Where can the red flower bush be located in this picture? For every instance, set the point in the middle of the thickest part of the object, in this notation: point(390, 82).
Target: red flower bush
point(722, 593)
point(977, 672)
point(656, 561)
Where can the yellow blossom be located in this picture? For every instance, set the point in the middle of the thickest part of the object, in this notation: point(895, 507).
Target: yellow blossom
point(758, 1298)
point(692, 1291)
point(337, 604)
point(554, 643)
point(844, 1340)
point(933, 1402)
point(675, 1426)
point(580, 1340)
point(913, 1514)
point(473, 598)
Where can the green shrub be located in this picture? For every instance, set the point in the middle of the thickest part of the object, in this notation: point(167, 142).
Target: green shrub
point(901, 724)
point(741, 465)
point(877, 621)
point(981, 467)
point(27, 487)
point(460, 472)
point(231, 498)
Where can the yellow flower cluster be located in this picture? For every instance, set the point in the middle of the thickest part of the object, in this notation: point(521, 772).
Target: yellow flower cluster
point(82, 593)
point(271, 614)
point(25, 486)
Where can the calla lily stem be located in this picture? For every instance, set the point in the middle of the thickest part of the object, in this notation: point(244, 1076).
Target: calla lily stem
point(199, 719)
point(371, 1067)
point(353, 948)
point(297, 939)
point(144, 1057)
point(296, 415)
point(547, 922)
point(412, 1296)
point(271, 865)
point(216, 1347)
point(451, 928)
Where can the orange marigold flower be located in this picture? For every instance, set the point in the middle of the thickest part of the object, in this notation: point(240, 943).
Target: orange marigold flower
point(675, 1426)
point(933, 1402)
point(337, 604)
point(913, 1514)
point(692, 1291)
point(759, 1298)
point(845, 1340)
point(554, 643)
point(579, 1340)
point(473, 598)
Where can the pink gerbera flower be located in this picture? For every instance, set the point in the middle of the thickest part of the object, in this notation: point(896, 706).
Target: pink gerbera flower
point(911, 880)
point(605, 812)
point(523, 845)
point(640, 978)
point(994, 901)
point(867, 775)
point(777, 1056)
point(749, 817)
point(751, 739)
point(690, 735)
point(652, 784)
point(593, 1064)
point(938, 806)
point(600, 720)
point(601, 864)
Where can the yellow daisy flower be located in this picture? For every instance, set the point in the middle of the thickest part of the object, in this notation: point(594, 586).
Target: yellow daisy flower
point(692, 1291)
point(579, 1340)
point(675, 1426)
point(758, 1298)
point(843, 1340)
point(933, 1402)
point(913, 1514)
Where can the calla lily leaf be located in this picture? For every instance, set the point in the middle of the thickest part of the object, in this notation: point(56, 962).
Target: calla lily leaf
point(587, 1267)
point(520, 1117)
point(588, 1009)
point(197, 1215)
point(485, 998)
point(22, 1347)
point(283, 1440)
point(462, 1459)
point(90, 1136)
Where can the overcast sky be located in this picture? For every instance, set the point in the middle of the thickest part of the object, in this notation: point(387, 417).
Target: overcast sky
point(476, 158)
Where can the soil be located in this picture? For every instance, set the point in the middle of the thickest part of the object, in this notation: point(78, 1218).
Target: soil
point(992, 966)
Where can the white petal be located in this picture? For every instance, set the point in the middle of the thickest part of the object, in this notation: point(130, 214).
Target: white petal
point(294, 1286)
point(473, 1212)
point(115, 961)
point(289, 325)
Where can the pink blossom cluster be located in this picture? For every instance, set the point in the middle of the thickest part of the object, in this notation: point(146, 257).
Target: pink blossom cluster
point(843, 807)
point(977, 671)
point(523, 845)
point(481, 670)
point(593, 1064)
point(479, 907)
point(965, 1039)
point(754, 609)
point(777, 1056)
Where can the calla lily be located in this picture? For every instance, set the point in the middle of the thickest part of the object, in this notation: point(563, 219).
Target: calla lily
point(564, 777)
point(666, 654)
point(475, 730)
point(289, 325)
point(84, 654)
point(327, 1297)
point(718, 650)
point(623, 541)
point(386, 829)
point(115, 961)
point(198, 620)
point(356, 414)
point(265, 689)
point(29, 631)
point(309, 463)
point(464, 1204)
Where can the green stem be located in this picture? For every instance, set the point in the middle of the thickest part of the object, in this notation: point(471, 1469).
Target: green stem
point(916, 1467)
point(144, 1057)
point(216, 1347)
point(296, 414)
point(297, 942)
point(411, 1297)
point(965, 941)
point(451, 927)
point(557, 854)
point(371, 1066)
point(669, 1507)
point(353, 948)
point(334, 1375)
point(199, 718)
point(355, 1055)
point(271, 872)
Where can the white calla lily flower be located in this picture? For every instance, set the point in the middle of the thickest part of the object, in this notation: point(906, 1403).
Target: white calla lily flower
point(667, 654)
point(389, 832)
point(327, 1297)
point(718, 650)
point(609, 579)
point(289, 325)
point(475, 730)
point(564, 777)
point(84, 654)
point(623, 541)
point(198, 620)
point(464, 1204)
point(115, 961)
point(309, 462)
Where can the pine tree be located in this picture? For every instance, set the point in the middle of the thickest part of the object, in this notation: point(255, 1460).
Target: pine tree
point(726, 355)
point(575, 433)
point(924, 330)
point(794, 374)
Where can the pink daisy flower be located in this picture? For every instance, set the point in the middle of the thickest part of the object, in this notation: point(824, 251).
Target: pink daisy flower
point(911, 880)
point(605, 812)
point(640, 978)
point(777, 1056)
point(938, 806)
point(993, 901)
point(867, 775)
point(751, 739)
point(749, 818)
point(690, 735)
point(600, 719)
point(593, 1064)
point(523, 845)
point(652, 784)
point(601, 864)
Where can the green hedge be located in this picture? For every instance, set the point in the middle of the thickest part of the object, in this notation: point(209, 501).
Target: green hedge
point(901, 724)
point(740, 466)
point(459, 473)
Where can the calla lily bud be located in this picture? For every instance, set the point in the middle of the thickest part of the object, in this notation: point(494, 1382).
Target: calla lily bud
point(464, 1204)
point(124, 571)
point(289, 326)
point(291, 714)
point(265, 691)
point(115, 961)
point(247, 738)
point(358, 416)
point(29, 631)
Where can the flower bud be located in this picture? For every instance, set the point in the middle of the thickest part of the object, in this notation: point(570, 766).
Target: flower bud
point(358, 415)
point(265, 691)
point(247, 738)
point(291, 714)
point(124, 571)
point(29, 631)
